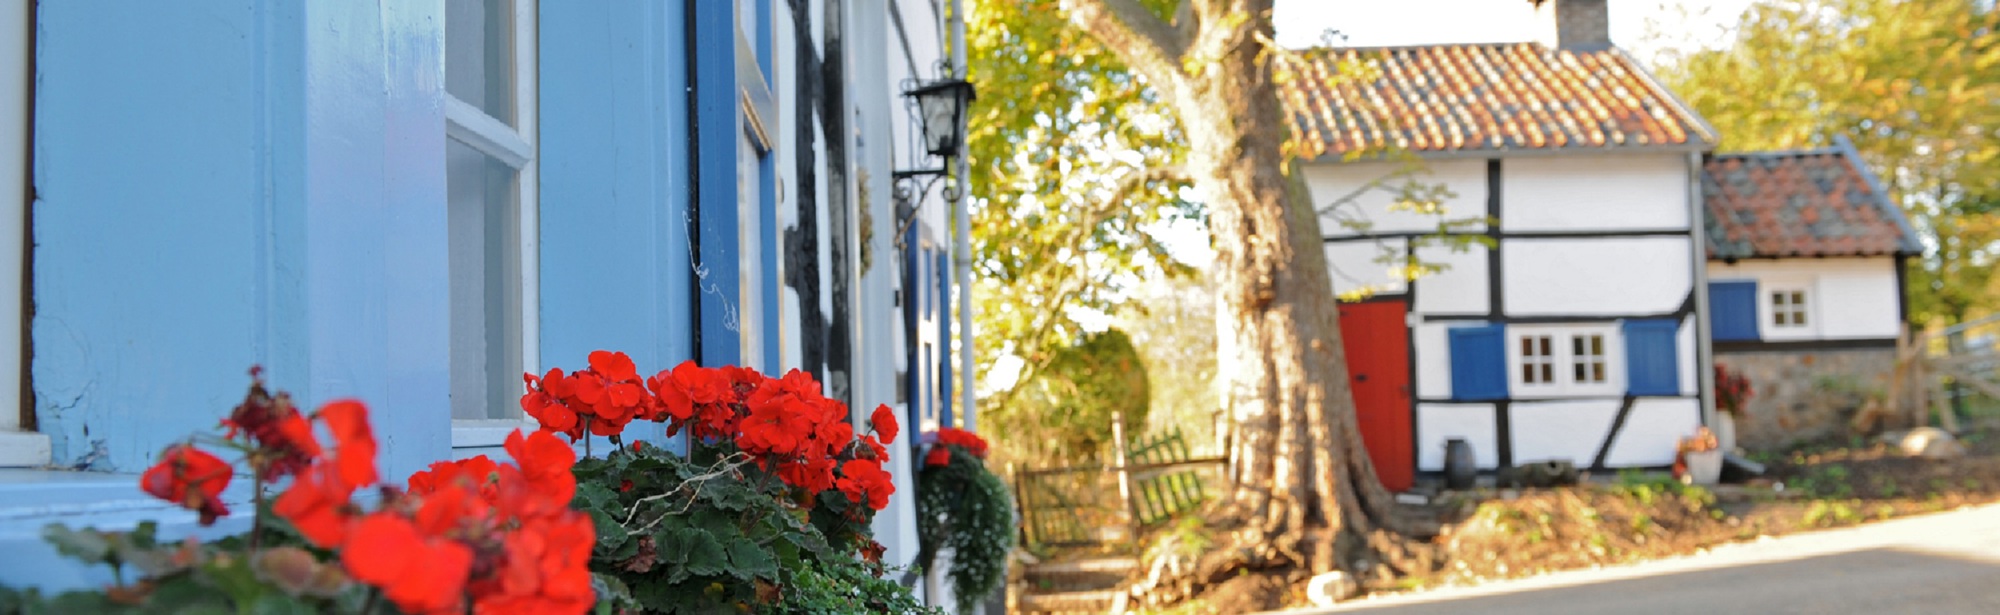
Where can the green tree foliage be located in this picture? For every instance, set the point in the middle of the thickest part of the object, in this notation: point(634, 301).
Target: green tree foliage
point(1065, 412)
point(1074, 170)
point(1914, 83)
point(1173, 327)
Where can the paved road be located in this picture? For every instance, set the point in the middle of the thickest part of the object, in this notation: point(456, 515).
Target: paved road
point(1942, 563)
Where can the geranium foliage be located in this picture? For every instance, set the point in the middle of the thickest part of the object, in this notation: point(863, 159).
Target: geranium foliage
point(768, 511)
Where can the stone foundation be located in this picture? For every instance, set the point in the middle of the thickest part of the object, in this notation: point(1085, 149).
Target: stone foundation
point(1803, 395)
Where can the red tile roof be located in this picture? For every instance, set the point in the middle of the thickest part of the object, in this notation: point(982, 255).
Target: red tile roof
point(1800, 203)
point(1491, 97)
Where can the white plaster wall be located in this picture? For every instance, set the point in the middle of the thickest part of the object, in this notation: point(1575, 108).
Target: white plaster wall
point(1651, 431)
point(1329, 182)
point(1847, 298)
point(1584, 193)
point(1437, 423)
point(1460, 289)
point(1352, 265)
point(1569, 430)
point(1432, 354)
point(1629, 275)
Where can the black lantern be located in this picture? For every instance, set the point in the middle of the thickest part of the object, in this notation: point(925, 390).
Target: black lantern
point(941, 105)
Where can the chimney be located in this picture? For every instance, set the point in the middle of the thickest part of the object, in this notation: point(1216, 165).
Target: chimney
point(1583, 25)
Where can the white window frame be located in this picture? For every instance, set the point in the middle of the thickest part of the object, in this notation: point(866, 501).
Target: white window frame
point(1563, 359)
point(18, 446)
point(1767, 310)
point(516, 146)
point(1791, 307)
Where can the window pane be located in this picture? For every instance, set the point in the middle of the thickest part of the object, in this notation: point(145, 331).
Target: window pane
point(1547, 346)
point(1576, 345)
point(1577, 371)
point(1527, 373)
point(1597, 345)
point(484, 258)
point(1527, 347)
point(1548, 372)
point(1597, 372)
point(1799, 317)
point(479, 55)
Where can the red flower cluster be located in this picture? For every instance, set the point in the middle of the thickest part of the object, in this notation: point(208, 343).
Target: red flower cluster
point(970, 442)
point(1732, 389)
point(601, 399)
point(189, 477)
point(499, 537)
point(785, 424)
point(281, 437)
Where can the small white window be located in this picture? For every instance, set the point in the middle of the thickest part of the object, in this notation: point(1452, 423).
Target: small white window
point(1565, 360)
point(1538, 360)
point(1788, 308)
point(490, 155)
point(1587, 359)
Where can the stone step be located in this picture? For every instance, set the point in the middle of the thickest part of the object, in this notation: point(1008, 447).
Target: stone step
point(1097, 601)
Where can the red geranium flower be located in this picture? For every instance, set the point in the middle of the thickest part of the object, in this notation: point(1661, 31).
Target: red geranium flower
point(189, 477)
point(864, 480)
point(939, 456)
point(884, 421)
point(317, 505)
point(354, 441)
point(419, 574)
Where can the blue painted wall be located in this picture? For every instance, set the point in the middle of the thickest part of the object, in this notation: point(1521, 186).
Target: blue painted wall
point(616, 252)
point(223, 184)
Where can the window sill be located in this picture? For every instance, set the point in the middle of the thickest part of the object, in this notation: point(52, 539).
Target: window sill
point(33, 499)
point(488, 433)
point(22, 449)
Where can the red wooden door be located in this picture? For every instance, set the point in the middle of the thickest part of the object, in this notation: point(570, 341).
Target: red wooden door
point(1378, 368)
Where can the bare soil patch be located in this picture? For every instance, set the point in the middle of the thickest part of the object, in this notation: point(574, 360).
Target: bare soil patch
point(1498, 534)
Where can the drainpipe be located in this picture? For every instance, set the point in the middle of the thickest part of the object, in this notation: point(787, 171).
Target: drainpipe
point(963, 240)
point(1704, 364)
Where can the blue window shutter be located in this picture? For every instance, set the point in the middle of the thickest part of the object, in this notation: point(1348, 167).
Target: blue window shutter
point(1478, 363)
point(1651, 363)
point(1732, 310)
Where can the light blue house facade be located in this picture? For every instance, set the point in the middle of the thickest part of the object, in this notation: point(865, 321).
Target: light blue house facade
point(414, 202)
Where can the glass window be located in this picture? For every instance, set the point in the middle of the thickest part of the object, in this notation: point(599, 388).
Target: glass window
point(490, 183)
point(1538, 359)
point(1587, 359)
point(1788, 308)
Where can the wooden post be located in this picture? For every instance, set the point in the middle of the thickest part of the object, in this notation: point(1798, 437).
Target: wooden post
point(1124, 473)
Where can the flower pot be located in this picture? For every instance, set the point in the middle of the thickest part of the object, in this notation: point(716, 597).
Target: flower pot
point(1725, 430)
point(1703, 467)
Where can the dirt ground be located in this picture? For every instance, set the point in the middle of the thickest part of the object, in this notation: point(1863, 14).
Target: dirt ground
point(1495, 534)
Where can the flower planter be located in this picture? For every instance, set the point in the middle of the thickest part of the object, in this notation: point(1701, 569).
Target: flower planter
point(1703, 467)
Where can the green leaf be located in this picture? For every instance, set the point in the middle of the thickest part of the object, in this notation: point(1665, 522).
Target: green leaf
point(88, 545)
point(705, 555)
point(747, 561)
point(279, 604)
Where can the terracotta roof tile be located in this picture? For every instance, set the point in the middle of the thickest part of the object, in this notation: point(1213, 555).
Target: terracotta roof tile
point(1442, 98)
point(1801, 203)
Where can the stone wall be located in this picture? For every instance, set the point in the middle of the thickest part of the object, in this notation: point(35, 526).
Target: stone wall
point(1803, 395)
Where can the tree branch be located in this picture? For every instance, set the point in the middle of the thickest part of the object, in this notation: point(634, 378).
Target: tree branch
point(1146, 43)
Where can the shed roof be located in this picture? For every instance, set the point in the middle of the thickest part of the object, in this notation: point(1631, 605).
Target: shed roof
point(1800, 203)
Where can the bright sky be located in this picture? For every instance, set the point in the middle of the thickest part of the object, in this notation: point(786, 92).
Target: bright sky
point(1380, 23)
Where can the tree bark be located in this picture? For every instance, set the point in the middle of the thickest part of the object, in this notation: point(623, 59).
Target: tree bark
point(1302, 483)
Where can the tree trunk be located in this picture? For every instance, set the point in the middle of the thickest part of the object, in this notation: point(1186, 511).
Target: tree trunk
point(1302, 483)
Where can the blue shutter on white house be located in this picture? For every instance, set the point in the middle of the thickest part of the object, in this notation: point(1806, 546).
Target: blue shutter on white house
point(1651, 363)
point(1478, 363)
point(1732, 310)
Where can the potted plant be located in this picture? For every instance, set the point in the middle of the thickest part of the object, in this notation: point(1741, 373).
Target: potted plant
point(1732, 393)
point(1699, 458)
